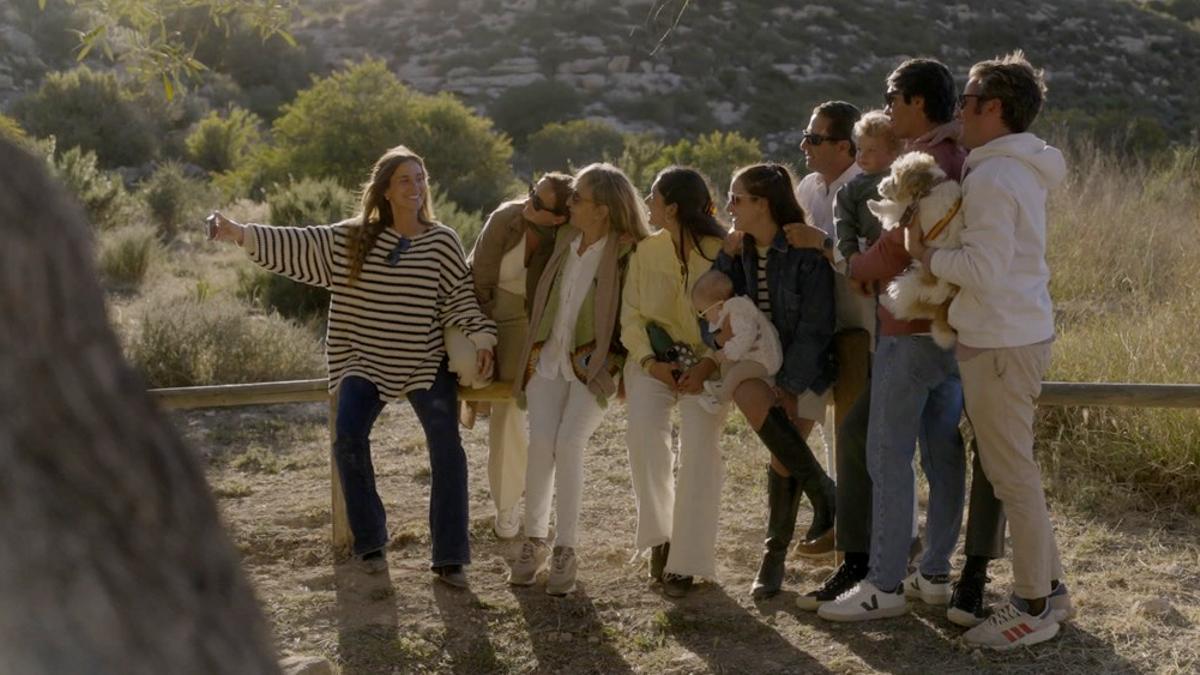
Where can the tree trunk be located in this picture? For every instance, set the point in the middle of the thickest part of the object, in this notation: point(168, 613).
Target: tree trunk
point(112, 556)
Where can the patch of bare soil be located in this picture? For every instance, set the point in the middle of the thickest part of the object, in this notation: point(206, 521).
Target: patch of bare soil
point(1134, 576)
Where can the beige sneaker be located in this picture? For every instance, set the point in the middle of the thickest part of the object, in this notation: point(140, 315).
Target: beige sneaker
point(534, 554)
point(562, 571)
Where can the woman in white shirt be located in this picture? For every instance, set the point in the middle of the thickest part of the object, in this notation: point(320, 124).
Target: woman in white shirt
point(572, 357)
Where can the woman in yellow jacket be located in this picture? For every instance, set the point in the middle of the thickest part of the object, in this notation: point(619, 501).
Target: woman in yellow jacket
point(678, 523)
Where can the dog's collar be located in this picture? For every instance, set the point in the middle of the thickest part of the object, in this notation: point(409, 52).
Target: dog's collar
point(940, 225)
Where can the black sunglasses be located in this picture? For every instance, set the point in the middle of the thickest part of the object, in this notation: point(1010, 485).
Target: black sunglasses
point(817, 139)
point(962, 99)
point(401, 246)
point(538, 205)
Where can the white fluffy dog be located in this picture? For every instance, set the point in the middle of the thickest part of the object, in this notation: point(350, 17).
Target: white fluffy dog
point(917, 294)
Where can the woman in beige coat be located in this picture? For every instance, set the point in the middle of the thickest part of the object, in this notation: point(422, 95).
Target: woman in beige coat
point(507, 263)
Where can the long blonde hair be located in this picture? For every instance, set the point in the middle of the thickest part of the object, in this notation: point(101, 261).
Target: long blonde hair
point(376, 213)
point(611, 187)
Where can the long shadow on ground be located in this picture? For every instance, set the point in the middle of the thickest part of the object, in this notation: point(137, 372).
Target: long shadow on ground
point(368, 625)
point(732, 639)
point(924, 641)
point(567, 634)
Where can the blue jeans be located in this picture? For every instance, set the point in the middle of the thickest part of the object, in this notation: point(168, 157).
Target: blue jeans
point(916, 393)
point(359, 405)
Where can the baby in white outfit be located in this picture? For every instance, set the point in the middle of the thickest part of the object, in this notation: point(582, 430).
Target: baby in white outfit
point(751, 348)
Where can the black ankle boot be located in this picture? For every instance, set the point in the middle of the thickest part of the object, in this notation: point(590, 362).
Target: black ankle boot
point(783, 500)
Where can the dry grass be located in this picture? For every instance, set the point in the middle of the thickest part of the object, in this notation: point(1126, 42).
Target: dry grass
point(1125, 255)
point(618, 622)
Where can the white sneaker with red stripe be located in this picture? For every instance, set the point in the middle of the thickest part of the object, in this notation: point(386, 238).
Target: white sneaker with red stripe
point(1012, 626)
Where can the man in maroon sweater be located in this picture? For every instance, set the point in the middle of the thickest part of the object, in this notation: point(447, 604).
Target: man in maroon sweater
point(920, 98)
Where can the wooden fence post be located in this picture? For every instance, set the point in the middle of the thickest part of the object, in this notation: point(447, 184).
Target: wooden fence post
point(343, 539)
point(853, 353)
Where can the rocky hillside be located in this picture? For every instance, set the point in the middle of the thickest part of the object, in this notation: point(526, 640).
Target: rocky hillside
point(751, 65)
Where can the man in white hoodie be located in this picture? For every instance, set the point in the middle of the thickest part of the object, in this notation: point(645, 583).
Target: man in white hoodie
point(1005, 325)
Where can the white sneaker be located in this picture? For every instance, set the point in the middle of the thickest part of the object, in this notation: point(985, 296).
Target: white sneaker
point(1060, 603)
point(1012, 626)
point(931, 590)
point(709, 403)
point(714, 388)
point(534, 554)
point(562, 571)
point(864, 602)
point(507, 523)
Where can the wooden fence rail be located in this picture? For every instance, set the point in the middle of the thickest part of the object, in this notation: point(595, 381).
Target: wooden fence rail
point(852, 354)
point(1076, 394)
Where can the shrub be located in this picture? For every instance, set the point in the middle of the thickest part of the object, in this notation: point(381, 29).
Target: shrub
point(558, 146)
point(466, 223)
point(523, 110)
point(173, 197)
point(716, 155)
point(340, 125)
point(267, 73)
point(101, 193)
point(126, 255)
point(641, 159)
point(10, 130)
point(221, 143)
point(89, 109)
point(189, 341)
point(310, 202)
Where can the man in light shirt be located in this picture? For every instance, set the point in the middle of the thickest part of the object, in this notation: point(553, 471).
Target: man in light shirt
point(829, 152)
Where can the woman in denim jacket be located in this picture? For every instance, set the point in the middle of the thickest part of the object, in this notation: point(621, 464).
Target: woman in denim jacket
point(794, 287)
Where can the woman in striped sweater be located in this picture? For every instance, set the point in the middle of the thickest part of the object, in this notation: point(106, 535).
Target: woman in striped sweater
point(397, 278)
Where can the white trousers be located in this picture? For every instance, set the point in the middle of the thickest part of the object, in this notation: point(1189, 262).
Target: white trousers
point(562, 417)
point(683, 509)
point(508, 443)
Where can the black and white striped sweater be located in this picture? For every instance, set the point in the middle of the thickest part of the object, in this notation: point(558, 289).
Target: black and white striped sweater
point(387, 327)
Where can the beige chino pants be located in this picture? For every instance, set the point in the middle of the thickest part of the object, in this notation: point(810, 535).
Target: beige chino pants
point(1000, 387)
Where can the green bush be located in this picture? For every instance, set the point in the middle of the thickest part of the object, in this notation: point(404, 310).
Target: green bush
point(10, 130)
point(221, 143)
point(340, 125)
point(557, 146)
point(174, 198)
point(267, 73)
point(310, 202)
point(101, 193)
point(189, 341)
point(641, 159)
point(716, 155)
point(466, 223)
point(126, 255)
point(302, 203)
point(521, 111)
point(89, 109)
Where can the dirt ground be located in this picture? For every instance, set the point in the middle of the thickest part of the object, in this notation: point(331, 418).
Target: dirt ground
point(1134, 575)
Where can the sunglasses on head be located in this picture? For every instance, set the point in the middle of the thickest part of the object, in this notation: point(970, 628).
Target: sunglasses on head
point(393, 258)
point(538, 204)
point(817, 139)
